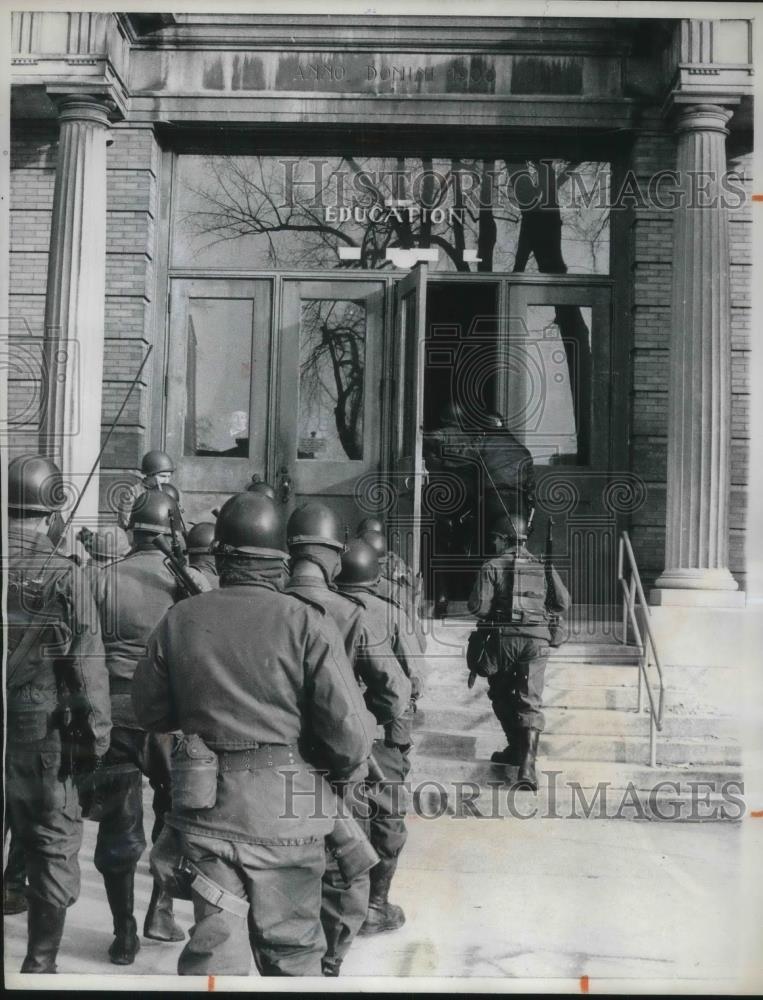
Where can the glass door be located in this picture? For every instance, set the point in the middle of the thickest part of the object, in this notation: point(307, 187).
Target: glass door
point(557, 396)
point(216, 386)
point(329, 402)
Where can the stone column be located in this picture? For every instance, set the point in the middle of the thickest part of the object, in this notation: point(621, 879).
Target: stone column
point(75, 297)
point(696, 544)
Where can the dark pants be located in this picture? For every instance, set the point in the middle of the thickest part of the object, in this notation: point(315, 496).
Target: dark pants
point(132, 753)
point(516, 691)
point(344, 906)
point(282, 884)
point(44, 814)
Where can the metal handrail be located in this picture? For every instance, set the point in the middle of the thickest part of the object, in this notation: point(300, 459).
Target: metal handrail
point(632, 589)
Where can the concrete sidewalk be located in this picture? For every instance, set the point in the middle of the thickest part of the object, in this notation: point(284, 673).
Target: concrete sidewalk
point(638, 903)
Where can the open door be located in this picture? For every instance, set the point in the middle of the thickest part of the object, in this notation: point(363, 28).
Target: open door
point(406, 460)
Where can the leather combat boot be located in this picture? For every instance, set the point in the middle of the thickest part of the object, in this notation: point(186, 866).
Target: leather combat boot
point(160, 924)
point(382, 915)
point(511, 754)
point(526, 776)
point(331, 967)
point(46, 927)
point(120, 892)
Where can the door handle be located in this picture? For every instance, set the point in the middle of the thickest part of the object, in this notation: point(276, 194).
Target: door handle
point(285, 485)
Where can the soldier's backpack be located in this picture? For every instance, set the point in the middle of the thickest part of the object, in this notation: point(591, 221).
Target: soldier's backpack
point(528, 591)
point(35, 626)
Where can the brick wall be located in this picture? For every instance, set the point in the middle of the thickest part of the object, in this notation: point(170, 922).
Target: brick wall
point(33, 166)
point(650, 256)
point(740, 240)
point(132, 199)
point(130, 241)
point(651, 259)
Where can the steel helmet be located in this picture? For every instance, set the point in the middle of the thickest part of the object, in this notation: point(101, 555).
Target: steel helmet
point(35, 485)
point(171, 491)
point(510, 527)
point(249, 524)
point(370, 524)
point(315, 524)
point(152, 512)
point(360, 564)
point(260, 487)
point(377, 542)
point(156, 461)
point(200, 538)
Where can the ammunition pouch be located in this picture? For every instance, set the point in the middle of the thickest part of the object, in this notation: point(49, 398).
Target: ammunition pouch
point(193, 766)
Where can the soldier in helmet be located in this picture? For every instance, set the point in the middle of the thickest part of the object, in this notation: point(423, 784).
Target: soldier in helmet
point(450, 460)
point(516, 595)
point(506, 471)
point(55, 652)
point(199, 542)
point(314, 538)
point(103, 547)
point(359, 578)
point(262, 678)
point(258, 485)
point(157, 468)
point(394, 587)
point(133, 595)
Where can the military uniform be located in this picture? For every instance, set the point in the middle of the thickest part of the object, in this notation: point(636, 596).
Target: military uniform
point(507, 476)
point(450, 459)
point(516, 593)
point(387, 694)
point(261, 676)
point(42, 807)
point(387, 830)
point(133, 594)
point(205, 564)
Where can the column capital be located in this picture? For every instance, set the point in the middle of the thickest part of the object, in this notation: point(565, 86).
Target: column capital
point(702, 118)
point(90, 108)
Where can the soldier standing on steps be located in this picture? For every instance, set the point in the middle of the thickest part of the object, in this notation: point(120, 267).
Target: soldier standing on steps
point(157, 468)
point(133, 595)
point(516, 596)
point(55, 669)
point(314, 538)
point(359, 577)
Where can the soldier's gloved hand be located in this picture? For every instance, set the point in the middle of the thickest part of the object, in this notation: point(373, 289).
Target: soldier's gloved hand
point(417, 688)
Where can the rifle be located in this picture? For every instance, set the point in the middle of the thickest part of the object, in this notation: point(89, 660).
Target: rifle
point(176, 565)
point(62, 529)
point(554, 620)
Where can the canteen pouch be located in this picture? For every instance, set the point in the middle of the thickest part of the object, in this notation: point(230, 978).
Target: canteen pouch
point(480, 655)
point(194, 774)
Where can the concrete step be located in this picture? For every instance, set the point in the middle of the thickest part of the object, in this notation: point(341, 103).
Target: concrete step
point(624, 749)
point(580, 721)
point(576, 789)
point(584, 773)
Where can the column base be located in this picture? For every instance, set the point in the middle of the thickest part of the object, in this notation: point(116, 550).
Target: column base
point(696, 578)
point(673, 597)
